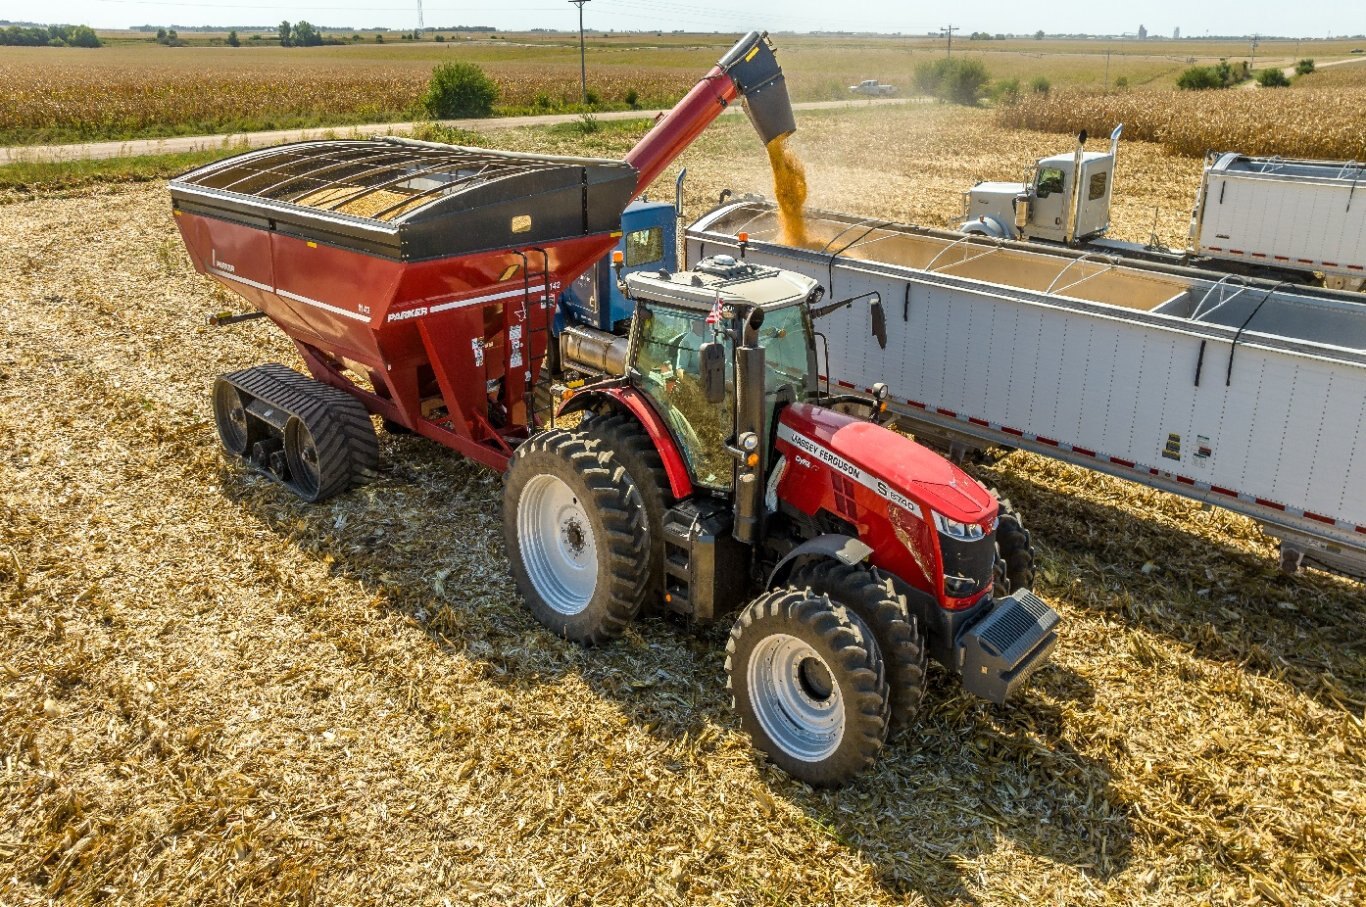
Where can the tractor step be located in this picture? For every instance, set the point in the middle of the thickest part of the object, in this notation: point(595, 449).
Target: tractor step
point(705, 568)
point(1001, 651)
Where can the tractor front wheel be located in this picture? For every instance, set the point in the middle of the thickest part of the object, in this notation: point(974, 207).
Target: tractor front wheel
point(576, 536)
point(1014, 551)
point(807, 680)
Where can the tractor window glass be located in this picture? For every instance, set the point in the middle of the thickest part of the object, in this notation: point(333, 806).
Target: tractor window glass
point(1050, 181)
point(1097, 187)
point(666, 358)
point(785, 338)
point(644, 247)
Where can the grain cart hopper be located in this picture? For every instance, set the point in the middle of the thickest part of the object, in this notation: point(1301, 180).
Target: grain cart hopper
point(418, 282)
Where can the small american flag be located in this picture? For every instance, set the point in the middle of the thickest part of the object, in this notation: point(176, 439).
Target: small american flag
point(714, 316)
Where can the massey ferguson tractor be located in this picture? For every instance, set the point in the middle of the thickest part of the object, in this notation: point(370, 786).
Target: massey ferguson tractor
point(422, 283)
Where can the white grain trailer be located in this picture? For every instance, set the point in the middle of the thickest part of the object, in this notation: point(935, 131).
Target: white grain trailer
point(1279, 213)
point(1250, 396)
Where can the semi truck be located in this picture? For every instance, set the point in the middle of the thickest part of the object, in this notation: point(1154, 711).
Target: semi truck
point(1285, 219)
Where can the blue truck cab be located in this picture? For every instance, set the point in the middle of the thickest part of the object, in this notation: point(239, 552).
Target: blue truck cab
point(649, 242)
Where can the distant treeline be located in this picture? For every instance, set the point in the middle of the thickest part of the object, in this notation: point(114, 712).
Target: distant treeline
point(248, 29)
point(49, 36)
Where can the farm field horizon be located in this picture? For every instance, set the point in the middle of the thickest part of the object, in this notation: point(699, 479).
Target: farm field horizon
point(137, 88)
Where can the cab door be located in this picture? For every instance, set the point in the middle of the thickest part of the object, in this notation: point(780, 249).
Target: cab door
point(1049, 210)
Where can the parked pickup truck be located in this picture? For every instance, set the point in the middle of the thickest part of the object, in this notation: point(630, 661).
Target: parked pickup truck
point(873, 88)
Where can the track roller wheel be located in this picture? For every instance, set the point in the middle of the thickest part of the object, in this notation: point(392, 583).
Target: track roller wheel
point(1014, 551)
point(237, 433)
point(622, 434)
point(870, 595)
point(576, 536)
point(807, 681)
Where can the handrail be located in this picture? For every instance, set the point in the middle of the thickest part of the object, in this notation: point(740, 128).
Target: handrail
point(1218, 285)
point(1088, 255)
point(929, 268)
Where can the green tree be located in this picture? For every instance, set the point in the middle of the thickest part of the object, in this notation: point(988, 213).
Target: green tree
point(284, 31)
point(233, 40)
point(1040, 85)
point(1038, 35)
point(459, 90)
point(83, 36)
point(161, 35)
point(953, 79)
point(1272, 78)
point(305, 35)
point(1304, 67)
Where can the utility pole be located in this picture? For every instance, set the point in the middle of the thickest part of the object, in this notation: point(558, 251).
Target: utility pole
point(583, 66)
point(1251, 67)
point(949, 30)
point(419, 15)
point(1107, 69)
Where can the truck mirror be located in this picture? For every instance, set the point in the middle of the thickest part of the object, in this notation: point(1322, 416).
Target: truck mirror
point(879, 320)
point(711, 365)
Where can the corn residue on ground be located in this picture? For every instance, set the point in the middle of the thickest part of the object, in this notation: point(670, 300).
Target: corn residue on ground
point(211, 693)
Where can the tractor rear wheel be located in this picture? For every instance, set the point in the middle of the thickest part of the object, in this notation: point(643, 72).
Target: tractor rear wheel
point(576, 536)
point(622, 434)
point(1014, 551)
point(870, 595)
point(807, 681)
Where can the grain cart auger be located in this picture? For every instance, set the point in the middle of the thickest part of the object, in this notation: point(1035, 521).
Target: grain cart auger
point(713, 468)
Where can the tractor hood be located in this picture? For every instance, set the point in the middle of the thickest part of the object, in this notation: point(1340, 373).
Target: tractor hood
point(906, 467)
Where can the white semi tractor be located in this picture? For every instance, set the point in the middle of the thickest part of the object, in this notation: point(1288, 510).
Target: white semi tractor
point(1297, 220)
point(1242, 393)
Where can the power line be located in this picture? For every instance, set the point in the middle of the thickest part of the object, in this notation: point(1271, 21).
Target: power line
point(949, 30)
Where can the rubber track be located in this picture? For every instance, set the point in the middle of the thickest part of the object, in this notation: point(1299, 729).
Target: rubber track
point(623, 435)
point(871, 596)
point(618, 502)
point(1014, 550)
point(348, 449)
point(853, 653)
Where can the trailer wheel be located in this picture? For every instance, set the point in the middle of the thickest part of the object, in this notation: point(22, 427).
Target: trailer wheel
point(622, 434)
point(576, 536)
point(236, 431)
point(806, 680)
point(1014, 551)
point(871, 596)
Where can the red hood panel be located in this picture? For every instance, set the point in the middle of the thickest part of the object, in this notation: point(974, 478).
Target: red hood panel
point(902, 463)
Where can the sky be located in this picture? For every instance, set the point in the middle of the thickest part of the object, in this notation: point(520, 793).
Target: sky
point(1308, 18)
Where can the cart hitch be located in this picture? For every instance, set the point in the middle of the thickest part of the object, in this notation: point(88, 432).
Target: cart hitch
point(223, 319)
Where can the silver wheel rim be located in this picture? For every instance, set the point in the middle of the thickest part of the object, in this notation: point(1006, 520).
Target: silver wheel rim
point(795, 697)
point(302, 454)
point(232, 419)
point(559, 549)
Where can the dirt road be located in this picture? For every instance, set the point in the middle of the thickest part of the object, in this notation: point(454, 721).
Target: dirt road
point(187, 143)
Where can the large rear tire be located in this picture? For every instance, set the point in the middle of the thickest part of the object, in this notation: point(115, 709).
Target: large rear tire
point(1014, 551)
point(576, 536)
point(622, 434)
point(807, 682)
point(870, 595)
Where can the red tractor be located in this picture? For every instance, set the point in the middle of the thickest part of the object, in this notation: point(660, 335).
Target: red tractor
point(714, 468)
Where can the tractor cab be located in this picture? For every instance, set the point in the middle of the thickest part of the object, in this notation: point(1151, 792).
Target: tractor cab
point(691, 329)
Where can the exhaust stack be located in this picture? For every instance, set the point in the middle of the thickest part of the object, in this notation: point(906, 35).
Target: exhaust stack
point(749, 70)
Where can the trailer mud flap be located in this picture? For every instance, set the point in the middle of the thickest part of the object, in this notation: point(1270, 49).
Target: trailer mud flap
point(1000, 652)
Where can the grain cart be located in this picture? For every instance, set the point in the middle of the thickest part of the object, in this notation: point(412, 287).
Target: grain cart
point(1265, 217)
point(419, 283)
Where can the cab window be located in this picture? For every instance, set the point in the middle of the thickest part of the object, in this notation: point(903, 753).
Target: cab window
point(666, 358)
point(644, 247)
point(1050, 181)
point(1096, 188)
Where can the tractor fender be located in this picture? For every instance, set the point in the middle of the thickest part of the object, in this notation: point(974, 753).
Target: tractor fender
point(637, 404)
point(843, 548)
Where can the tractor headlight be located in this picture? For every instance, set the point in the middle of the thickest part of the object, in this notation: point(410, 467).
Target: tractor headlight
point(967, 532)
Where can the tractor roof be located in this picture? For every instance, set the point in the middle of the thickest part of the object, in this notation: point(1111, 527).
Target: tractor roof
point(722, 277)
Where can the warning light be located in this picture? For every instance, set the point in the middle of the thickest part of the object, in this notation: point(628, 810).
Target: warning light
point(752, 460)
point(744, 237)
point(618, 257)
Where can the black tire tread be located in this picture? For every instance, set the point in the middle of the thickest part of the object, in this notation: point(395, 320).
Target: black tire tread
point(1015, 554)
point(873, 597)
point(348, 448)
point(618, 504)
point(622, 434)
point(848, 649)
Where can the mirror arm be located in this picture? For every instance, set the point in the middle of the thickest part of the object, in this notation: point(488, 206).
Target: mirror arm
point(828, 308)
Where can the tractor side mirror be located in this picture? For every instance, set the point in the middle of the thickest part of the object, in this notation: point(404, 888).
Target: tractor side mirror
point(879, 320)
point(711, 359)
